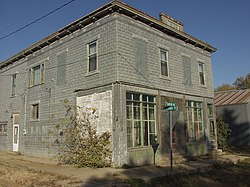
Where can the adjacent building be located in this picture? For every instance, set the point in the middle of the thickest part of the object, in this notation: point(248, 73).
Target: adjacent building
point(234, 107)
point(125, 64)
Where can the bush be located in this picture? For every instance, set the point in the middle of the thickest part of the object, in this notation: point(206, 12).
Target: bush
point(79, 142)
point(223, 133)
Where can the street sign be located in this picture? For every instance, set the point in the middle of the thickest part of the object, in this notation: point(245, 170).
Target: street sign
point(170, 106)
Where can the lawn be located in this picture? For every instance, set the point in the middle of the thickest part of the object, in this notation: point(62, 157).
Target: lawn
point(228, 174)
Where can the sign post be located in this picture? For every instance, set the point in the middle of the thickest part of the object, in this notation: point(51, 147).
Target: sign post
point(171, 106)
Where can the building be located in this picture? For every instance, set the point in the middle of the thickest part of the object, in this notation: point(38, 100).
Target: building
point(127, 65)
point(234, 107)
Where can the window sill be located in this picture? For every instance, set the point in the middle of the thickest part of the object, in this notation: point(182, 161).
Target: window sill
point(165, 77)
point(92, 73)
point(12, 96)
point(203, 86)
point(35, 85)
point(34, 120)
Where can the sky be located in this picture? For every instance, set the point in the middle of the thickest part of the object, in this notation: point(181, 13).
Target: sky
point(224, 24)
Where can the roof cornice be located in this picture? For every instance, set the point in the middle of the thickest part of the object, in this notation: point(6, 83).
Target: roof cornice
point(113, 6)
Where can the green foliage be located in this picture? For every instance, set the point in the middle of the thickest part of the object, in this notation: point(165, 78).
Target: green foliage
point(79, 142)
point(240, 83)
point(223, 133)
point(225, 87)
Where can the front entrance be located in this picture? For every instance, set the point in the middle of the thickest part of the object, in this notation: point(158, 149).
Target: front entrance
point(15, 132)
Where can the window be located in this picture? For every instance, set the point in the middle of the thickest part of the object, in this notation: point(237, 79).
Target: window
point(13, 88)
point(35, 111)
point(36, 75)
point(141, 119)
point(3, 128)
point(92, 56)
point(186, 61)
point(164, 62)
point(195, 120)
point(210, 110)
point(201, 74)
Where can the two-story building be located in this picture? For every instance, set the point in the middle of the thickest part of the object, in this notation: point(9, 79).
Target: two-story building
point(127, 65)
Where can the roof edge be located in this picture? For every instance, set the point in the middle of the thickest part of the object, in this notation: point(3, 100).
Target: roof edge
point(113, 6)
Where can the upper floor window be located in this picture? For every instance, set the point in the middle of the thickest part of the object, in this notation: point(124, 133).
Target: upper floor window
point(92, 57)
point(36, 75)
point(164, 62)
point(13, 88)
point(201, 73)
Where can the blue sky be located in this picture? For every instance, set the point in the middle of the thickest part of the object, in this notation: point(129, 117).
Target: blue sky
point(222, 23)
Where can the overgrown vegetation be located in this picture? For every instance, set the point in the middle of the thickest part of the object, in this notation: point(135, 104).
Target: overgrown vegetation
point(79, 143)
point(223, 133)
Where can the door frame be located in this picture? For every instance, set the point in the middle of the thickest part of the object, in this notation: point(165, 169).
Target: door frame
point(16, 132)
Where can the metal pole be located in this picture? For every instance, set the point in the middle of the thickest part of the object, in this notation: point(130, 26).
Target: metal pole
point(171, 148)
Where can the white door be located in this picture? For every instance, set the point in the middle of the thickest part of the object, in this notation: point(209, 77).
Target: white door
point(15, 137)
point(15, 132)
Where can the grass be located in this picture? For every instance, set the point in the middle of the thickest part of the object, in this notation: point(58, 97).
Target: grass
point(221, 175)
point(11, 175)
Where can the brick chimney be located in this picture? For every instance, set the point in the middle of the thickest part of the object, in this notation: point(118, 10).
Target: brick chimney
point(171, 22)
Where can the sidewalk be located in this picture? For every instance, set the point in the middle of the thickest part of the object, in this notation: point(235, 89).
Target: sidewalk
point(110, 176)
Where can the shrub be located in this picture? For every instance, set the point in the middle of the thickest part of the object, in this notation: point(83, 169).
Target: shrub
point(79, 142)
point(223, 133)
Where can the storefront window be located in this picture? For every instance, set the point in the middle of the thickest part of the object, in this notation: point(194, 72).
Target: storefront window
point(141, 119)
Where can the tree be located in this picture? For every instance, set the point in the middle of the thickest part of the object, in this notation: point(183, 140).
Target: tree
point(79, 143)
point(242, 83)
point(223, 133)
point(225, 87)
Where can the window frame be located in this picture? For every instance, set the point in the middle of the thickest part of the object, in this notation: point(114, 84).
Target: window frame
point(13, 84)
point(35, 112)
point(201, 73)
point(32, 75)
point(3, 128)
point(164, 61)
point(95, 55)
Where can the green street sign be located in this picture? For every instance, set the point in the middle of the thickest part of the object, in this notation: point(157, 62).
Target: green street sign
point(170, 106)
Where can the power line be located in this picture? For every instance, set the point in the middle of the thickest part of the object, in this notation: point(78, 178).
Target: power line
point(33, 22)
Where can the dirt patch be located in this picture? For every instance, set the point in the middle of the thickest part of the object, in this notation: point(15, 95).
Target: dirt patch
point(13, 175)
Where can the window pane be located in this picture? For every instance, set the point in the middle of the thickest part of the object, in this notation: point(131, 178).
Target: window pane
point(146, 133)
point(137, 131)
point(151, 114)
point(92, 63)
point(37, 75)
point(136, 112)
point(136, 97)
point(163, 56)
point(129, 112)
point(128, 96)
point(92, 49)
point(129, 133)
point(164, 70)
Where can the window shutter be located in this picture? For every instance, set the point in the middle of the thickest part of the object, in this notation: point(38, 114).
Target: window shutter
point(141, 57)
point(61, 68)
